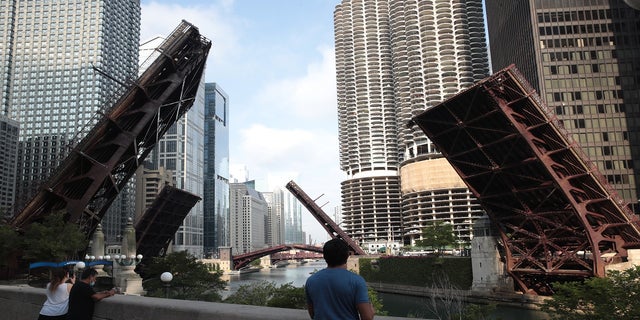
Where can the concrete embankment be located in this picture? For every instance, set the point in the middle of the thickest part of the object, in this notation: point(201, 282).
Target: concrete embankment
point(510, 299)
point(24, 303)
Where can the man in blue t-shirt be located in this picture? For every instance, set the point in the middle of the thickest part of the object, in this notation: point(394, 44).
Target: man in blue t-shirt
point(336, 293)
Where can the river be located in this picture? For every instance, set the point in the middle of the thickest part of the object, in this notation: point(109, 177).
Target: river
point(395, 304)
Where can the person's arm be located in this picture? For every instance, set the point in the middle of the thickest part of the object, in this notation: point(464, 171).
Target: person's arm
point(365, 309)
point(72, 281)
point(310, 309)
point(103, 294)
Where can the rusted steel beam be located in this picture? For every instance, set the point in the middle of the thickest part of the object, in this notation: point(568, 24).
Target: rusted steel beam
point(327, 223)
point(93, 174)
point(555, 213)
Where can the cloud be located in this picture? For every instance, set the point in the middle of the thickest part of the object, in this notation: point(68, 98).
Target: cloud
point(309, 96)
point(266, 146)
point(214, 21)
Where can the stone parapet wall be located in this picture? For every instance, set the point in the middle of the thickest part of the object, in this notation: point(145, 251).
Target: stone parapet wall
point(24, 303)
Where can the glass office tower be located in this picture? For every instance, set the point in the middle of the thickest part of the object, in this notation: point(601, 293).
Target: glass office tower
point(395, 59)
point(583, 57)
point(216, 169)
point(50, 52)
point(8, 160)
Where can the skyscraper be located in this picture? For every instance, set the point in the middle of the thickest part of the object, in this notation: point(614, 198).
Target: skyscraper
point(583, 57)
point(248, 215)
point(393, 60)
point(8, 155)
point(49, 54)
point(216, 169)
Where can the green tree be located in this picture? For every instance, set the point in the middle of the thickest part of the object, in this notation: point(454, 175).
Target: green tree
point(9, 241)
point(266, 293)
point(192, 279)
point(288, 296)
point(438, 235)
point(616, 296)
point(53, 239)
point(256, 294)
point(376, 302)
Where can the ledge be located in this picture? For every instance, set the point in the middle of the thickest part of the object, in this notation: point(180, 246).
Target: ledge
point(24, 303)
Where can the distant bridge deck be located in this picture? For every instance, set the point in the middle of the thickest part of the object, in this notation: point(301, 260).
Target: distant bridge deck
point(242, 260)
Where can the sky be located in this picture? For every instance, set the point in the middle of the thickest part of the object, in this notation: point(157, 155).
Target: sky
point(275, 60)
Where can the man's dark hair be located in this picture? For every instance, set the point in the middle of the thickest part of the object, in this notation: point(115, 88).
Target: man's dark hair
point(335, 252)
point(88, 273)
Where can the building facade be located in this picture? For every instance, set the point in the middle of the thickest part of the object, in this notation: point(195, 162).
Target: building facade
point(149, 183)
point(583, 57)
point(285, 224)
point(248, 213)
point(49, 82)
point(216, 169)
point(9, 130)
point(395, 59)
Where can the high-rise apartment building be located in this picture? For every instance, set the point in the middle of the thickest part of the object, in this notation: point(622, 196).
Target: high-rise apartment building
point(181, 151)
point(49, 54)
point(274, 227)
point(248, 216)
point(583, 57)
point(149, 183)
point(286, 217)
point(394, 59)
point(9, 130)
point(216, 169)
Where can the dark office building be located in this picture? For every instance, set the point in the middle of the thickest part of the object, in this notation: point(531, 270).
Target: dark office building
point(583, 57)
point(216, 169)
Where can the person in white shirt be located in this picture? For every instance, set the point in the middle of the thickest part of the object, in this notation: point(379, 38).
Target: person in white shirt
point(57, 303)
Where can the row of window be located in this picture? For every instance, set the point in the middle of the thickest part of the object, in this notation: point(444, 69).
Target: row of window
point(581, 42)
point(583, 55)
point(591, 109)
point(597, 123)
point(585, 95)
point(584, 15)
point(581, 29)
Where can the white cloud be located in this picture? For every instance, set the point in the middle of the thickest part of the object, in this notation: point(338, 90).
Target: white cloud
point(214, 22)
point(310, 96)
point(269, 146)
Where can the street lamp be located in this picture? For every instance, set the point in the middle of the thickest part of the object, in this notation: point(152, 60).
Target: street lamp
point(166, 278)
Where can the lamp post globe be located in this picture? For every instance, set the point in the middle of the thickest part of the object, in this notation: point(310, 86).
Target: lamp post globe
point(166, 277)
point(80, 265)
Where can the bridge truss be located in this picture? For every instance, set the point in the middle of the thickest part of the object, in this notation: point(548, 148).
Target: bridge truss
point(90, 178)
point(242, 260)
point(557, 216)
point(329, 225)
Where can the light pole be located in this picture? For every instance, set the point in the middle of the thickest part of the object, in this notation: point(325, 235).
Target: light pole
point(166, 278)
point(78, 268)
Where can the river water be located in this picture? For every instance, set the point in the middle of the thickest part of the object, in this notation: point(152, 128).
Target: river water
point(395, 304)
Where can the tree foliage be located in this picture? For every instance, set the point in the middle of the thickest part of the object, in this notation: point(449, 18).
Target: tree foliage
point(616, 296)
point(266, 293)
point(438, 235)
point(9, 241)
point(53, 239)
point(192, 279)
point(288, 296)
